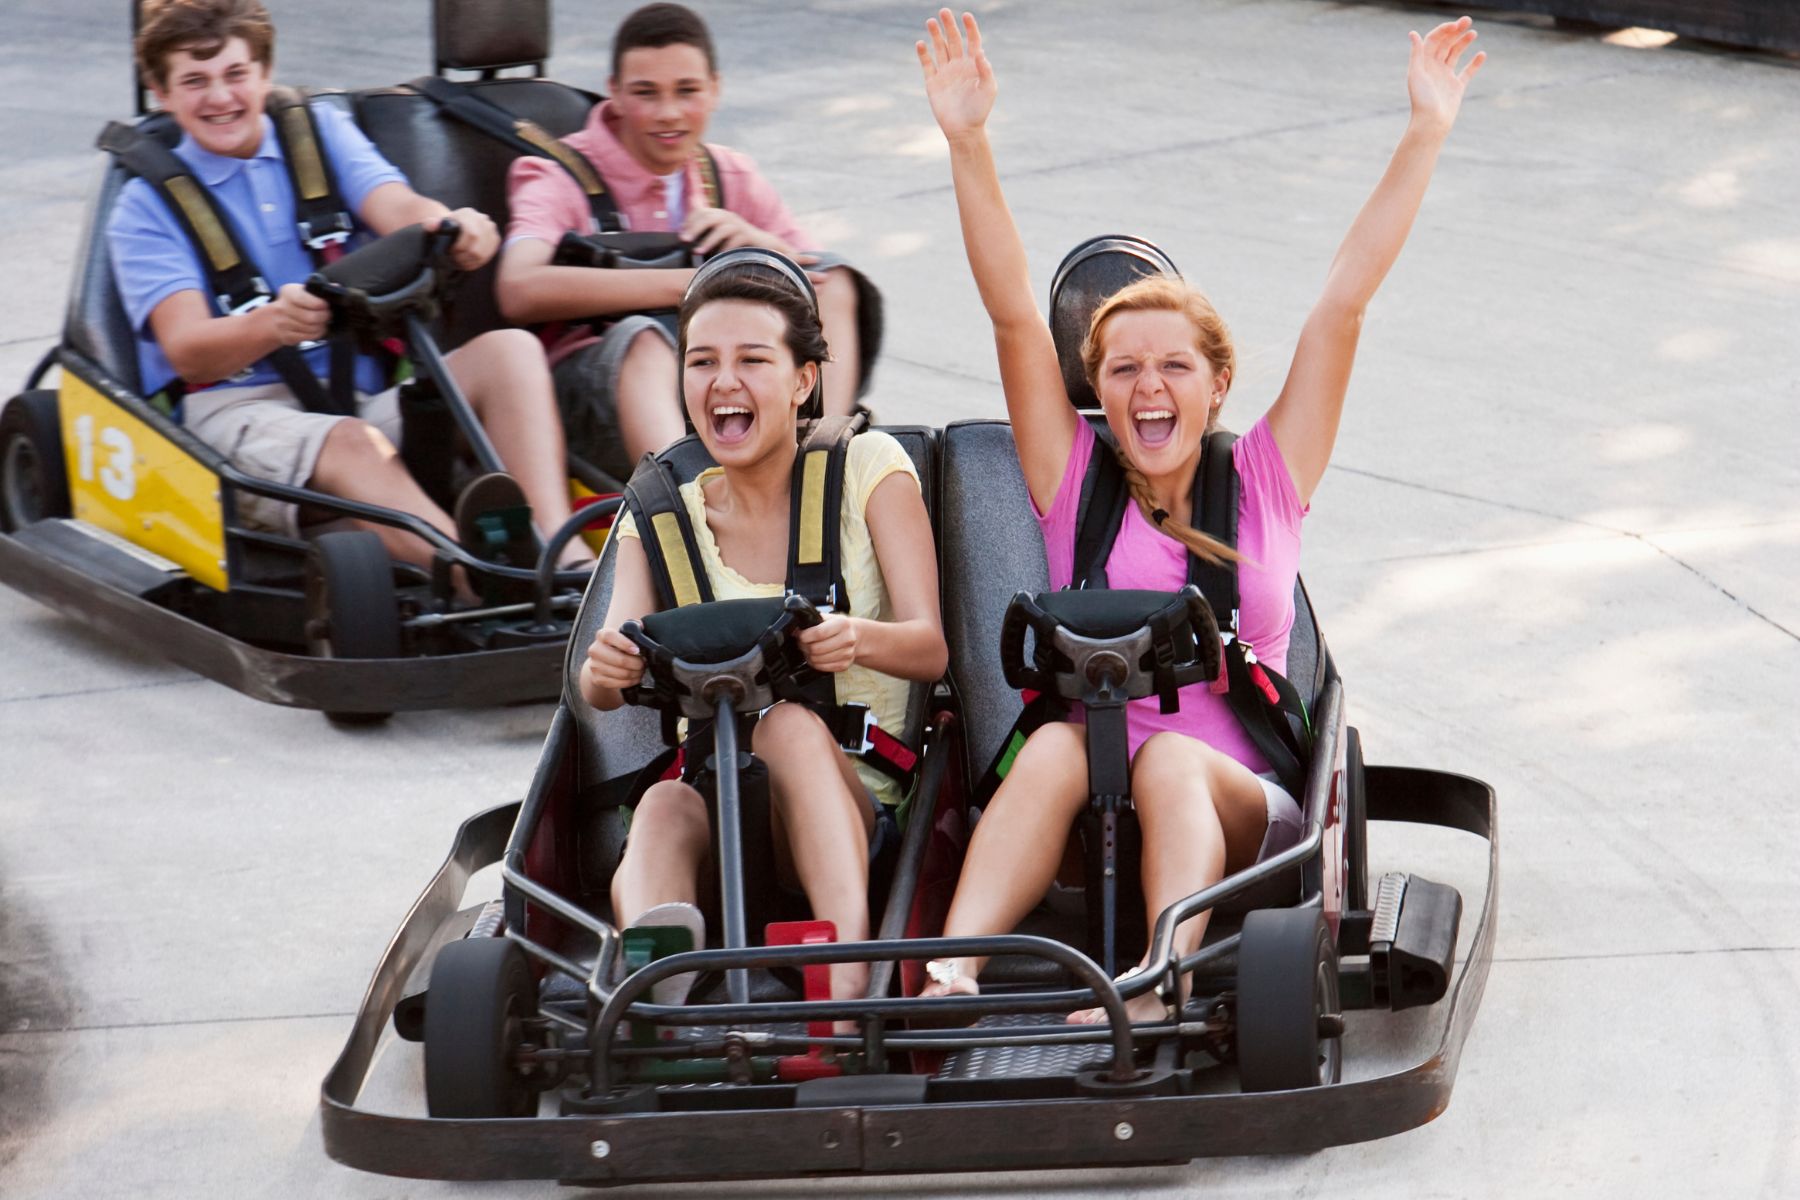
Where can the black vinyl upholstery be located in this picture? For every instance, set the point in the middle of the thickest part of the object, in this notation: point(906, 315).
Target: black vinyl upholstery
point(615, 743)
point(480, 35)
point(451, 162)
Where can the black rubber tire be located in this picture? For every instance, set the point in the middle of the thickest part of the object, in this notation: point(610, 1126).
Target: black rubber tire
point(351, 607)
point(1355, 817)
point(480, 991)
point(1287, 980)
point(34, 481)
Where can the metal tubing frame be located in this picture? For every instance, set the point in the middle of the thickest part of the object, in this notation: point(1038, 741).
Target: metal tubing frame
point(877, 1138)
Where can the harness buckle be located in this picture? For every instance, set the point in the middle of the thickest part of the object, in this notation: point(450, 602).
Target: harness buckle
point(860, 740)
point(333, 230)
point(260, 296)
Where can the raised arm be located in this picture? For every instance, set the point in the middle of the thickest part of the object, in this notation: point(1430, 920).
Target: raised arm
point(1304, 418)
point(959, 82)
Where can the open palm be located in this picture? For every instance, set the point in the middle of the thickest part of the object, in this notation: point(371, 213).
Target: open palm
point(1432, 80)
point(959, 81)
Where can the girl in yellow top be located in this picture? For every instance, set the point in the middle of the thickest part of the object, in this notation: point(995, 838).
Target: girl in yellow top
point(751, 350)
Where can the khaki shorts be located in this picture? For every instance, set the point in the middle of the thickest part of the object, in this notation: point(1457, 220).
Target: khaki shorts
point(264, 431)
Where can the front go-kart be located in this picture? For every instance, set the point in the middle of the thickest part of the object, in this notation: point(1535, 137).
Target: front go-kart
point(111, 512)
point(1290, 1038)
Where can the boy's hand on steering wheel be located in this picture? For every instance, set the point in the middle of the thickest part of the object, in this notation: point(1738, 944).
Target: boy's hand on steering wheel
point(295, 315)
point(613, 661)
point(477, 239)
point(711, 230)
point(959, 80)
point(1432, 80)
point(829, 646)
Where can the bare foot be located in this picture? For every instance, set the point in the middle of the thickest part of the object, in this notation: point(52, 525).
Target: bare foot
point(1144, 1010)
point(949, 979)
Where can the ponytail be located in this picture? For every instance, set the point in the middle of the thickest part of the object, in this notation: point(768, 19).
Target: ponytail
point(1209, 548)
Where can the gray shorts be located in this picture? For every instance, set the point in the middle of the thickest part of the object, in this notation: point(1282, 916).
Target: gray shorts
point(266, 432)
point(587, 393)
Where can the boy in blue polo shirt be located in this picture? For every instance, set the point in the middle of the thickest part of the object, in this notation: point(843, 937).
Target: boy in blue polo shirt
point(208, 64)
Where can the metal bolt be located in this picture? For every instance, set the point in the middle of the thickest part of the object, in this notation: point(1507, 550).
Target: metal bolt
point(830, 1139)
point(600, 1149)
point(893, 1139)
point(1123, 1131)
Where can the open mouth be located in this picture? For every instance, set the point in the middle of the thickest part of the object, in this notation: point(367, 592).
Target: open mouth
point(1154, 426)
point(731, 423)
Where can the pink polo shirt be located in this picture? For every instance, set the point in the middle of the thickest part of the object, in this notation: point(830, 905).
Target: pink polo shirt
point(1269, 515)
point(546, 202)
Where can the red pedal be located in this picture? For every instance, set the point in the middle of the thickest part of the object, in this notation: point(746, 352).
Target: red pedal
point(817, 976)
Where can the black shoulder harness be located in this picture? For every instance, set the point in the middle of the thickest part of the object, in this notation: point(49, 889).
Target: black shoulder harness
point(815, 565)
point(526, 137)
point(1268, 707)
point(231, 272)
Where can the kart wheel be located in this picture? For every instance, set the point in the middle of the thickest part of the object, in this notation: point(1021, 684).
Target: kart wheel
point(1355, 817)
point(34, 482)
point(351, 608)
point(480, 994)
point(1289, 1020)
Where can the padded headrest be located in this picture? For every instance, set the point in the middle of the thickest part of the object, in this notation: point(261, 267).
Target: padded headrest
point(482, 35)
point(796, 278)
point(1089, 275)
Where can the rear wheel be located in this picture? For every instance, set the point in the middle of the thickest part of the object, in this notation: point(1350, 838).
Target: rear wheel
point(480, 996)
point(1289, 1019)
point(34, 483)
point(352, 610)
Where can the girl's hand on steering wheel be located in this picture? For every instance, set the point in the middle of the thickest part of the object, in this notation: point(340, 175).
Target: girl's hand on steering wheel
point(1432, 80)
point(959, 80)
point(613, 661)
point(829, 646)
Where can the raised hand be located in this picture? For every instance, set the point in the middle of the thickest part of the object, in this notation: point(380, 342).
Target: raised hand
point(1432, 80)
point(959, 80)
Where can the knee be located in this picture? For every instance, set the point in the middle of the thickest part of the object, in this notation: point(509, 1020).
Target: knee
point(1170, 764)
point(790, 730)
point(354, 444)
point(1056, 747)
point(670, 813)
point(838, 292)
point(649, 350)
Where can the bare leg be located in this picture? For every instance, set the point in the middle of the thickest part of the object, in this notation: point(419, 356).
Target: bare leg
point(504, 375)
point(670, 839)
point(650, 413)
point(1019, 841)
point(1201, 812)
point(358, 462)
point(837, 313)
point(822, 822)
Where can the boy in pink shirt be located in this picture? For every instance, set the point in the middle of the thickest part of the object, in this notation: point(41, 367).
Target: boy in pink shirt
point(616, 387)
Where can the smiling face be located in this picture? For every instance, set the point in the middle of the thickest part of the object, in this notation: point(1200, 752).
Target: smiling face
point(738, 377)
point(664, 96)
point(218, 100)
point(1158, 391)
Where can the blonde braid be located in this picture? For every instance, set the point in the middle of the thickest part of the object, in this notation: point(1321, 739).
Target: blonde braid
point(1209, 548)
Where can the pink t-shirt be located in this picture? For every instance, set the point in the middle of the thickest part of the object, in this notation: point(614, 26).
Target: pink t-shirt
point(1269, 514)
point(546, 202)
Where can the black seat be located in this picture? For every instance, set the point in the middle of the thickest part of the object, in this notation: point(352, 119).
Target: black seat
point(448, 160)
point(989, 548)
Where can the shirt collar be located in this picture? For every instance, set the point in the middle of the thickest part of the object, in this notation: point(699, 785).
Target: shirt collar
point(215, 169)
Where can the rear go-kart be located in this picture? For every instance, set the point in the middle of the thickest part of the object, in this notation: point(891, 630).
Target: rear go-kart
point(546, 1053)
point(114, 513)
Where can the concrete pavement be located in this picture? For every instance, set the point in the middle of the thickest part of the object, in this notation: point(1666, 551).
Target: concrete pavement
point(1557, 550)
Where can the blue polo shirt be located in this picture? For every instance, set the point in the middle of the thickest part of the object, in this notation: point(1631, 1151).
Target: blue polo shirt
point(152, 258)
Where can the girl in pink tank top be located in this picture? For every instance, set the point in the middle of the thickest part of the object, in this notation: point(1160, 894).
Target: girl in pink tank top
point(1161, 361)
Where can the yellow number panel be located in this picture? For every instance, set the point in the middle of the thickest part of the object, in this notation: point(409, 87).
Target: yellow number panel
point(126, 477)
